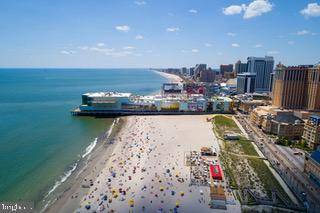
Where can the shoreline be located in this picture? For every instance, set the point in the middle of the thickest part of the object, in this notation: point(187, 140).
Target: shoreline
point(170, 77)
point(68, 200)
point(98, 157)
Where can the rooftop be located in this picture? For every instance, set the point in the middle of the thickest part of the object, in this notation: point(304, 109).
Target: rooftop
point(107, 94)
point(316, 156)
point(287, 118)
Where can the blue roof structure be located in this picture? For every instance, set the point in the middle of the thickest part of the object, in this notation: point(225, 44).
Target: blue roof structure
point(315, 119)
point(316, 156)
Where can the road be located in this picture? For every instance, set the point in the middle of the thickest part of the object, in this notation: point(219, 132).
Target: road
point(298, 182)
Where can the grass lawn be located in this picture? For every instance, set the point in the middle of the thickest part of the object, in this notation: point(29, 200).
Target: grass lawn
point(243, 146)
point(268, 180)
point(247, 147)
point(224, 123)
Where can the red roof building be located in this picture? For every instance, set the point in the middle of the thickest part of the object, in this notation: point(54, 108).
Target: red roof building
point(216, 172)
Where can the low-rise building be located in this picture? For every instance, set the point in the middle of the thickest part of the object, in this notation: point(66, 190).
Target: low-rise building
point(311, 133)
point(282, 123)
point(222, 104)
point(312, 166)
point(248, 105)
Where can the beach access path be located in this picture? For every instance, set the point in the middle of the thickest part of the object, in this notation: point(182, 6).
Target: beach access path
point(148, 163)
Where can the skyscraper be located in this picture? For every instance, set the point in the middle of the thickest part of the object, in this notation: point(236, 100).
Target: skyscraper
point(240, 67)
point(226, 68)
point(198, 68)
point(245, 82)
point(263, 67)
point(207, 75)
point(290, 88)
point(314, 88)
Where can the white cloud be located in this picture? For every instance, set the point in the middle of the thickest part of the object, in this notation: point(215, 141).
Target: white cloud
point(173, 29)
point(208, 44)
point(233, 10)
point(139, 37)
point(101, 50)
point(193, 11)
point(254, 9)
point(303, 32)
point(140, 3)
point(312, 10)
point(128, 48)
point(291, 42)
point(123, 28)
point(100, 44)
point(67, 52)
point(273, 52)
point(257, 8)
point(83, 47)
point(195, 50)
point(258, 45)
point(123, 52)
point(235, 45)
point(231, 34)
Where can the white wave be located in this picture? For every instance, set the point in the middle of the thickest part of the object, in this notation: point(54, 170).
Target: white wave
point(90, 148)
point(63, 178)
point(111, 127)
point(74, 166)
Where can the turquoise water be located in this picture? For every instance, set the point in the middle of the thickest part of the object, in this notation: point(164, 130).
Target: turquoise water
point(39, 139)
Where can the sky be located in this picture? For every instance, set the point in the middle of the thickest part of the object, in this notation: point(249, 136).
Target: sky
point(156, 33)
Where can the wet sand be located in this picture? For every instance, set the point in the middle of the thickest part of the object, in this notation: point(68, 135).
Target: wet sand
point(69, 200)
point(147, 171)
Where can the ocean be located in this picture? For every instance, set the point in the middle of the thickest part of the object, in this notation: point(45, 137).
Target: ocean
point(40, 142)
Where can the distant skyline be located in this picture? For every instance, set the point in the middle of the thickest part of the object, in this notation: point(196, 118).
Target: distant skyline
point(149, 33)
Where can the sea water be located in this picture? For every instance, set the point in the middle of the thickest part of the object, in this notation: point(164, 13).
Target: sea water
point(40, 142)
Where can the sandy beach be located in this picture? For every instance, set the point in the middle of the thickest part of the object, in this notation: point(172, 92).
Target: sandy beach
point(147, 169)
point(171, 77)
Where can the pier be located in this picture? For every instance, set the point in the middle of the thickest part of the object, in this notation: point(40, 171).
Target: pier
point(112, 113)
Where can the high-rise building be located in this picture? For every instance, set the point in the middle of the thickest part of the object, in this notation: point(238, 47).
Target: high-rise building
point(224, 68)
point(245, 82)
point(240, 67)
point(290, 88)
point(183, 71)
point(263, 67)
point(207, 75)
point(314, 88)
point(198, 68)
point(311, 133)
point(191, 71)
point(271, 82)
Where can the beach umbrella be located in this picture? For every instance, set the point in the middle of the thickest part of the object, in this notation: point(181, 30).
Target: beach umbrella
point(131, 202)
point(177, 204)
